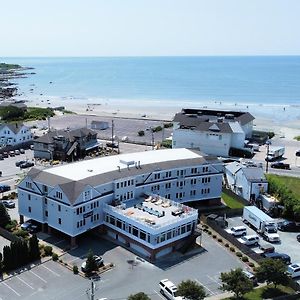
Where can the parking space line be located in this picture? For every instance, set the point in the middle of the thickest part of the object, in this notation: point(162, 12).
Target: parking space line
point(159, 294)
point(11, 289)
point(205, 286)
point(38, 276)
point(211, 278)
point(56, 274)
point(25, 282)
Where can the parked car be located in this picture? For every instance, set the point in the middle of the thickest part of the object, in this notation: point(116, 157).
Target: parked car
point(298, 238)
point(169, 289)
point(297, 153)
point(11, 153)
point(27, 164)
point(9, 203)
point(294, 270)
point(237, 231)
point(17, 152)
point(5, 154)
point(280, 165)
point(249, 240)
point(22, 151)
point(275, 255)
point(98, 260)
point(266, 247)
point(20, 162)
point(33, 228)
point(251, 276)
point(288, 226)
point(4, 188)
point(1, 156)
point(26, 225)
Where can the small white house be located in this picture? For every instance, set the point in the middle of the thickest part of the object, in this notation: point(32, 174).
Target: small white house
point(247, 181)
point(14, 134)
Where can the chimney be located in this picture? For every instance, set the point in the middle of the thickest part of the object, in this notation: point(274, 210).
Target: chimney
point(139, 164)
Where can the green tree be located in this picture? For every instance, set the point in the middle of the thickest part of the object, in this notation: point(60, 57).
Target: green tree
point(236, 281)
point(91, 264)
point(4, 216)
point(191, 290)
point(34, 250)
point(272, 271)
point(139, 296)
point(1, 263)
point(10, 113)
point(7, 258)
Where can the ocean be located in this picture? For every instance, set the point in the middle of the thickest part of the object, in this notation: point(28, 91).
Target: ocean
point(261, 79)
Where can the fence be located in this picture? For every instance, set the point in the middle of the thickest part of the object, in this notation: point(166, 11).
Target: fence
point(8, 235)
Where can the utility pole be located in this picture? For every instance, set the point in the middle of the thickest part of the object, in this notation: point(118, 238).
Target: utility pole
point(267, 165)
point(112, 131)
point(152, 138)
point(92, 289)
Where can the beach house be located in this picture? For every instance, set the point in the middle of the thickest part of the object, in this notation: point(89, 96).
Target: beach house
point(214, 132)
point(137, 198)
point(13, 134)
point(246, 180)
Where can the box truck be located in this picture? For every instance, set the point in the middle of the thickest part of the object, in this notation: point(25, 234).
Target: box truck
point(274, 153)
point(268, 202)
point(261, 222)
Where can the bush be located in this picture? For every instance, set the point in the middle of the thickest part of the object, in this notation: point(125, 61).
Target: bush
point(238, 254)
point(13, 195)
point(61, 261)
point(75, 269)
point(209, 232)
point(157, 129)
point(141, 133)
point(168, 125)
point(48, 250)
point(21, 233)
point(214, 236)
point(240, 152)
point(251, 264)
point(232, 249)
point(226, 245)
point(245, 259)
point(11, 225)
point(220, 240)
point(54, 256)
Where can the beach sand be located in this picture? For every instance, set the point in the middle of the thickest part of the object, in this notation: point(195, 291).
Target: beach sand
point(284, 120)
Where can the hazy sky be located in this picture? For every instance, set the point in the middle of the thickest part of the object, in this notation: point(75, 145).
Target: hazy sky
point(149, 27)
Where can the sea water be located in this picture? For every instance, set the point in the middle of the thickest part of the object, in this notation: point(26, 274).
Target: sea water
point(270, 80)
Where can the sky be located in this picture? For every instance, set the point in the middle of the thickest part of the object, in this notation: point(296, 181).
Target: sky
point(149, 27)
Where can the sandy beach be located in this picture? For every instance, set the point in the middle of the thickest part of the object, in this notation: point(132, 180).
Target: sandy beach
point(284, 120)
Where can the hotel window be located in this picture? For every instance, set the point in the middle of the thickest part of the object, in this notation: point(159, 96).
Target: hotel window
point(59, 208)
point(87, 195)
point(46, 201)
point(192, 192)
point(168, 185)
point(45, 189)
point(58, 195)
point(121, 184)
point(29, 209)
point(28, 185)
point(193, 170)
point(168, 174)
point(46, 213)
point(157, 176)
point(59, 220)
point(29, 197)
point(135, 231)
point(143, 235)
point(118, 184)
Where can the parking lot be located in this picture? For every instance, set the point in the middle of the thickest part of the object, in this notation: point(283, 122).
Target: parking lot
point(288, 245)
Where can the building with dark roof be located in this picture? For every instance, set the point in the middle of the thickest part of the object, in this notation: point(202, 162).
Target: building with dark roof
point(246, 179)
point(213, 131)
point(65, 144)
point(108, 194)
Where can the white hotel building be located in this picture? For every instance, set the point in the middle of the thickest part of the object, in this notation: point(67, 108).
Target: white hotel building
point(134, 198)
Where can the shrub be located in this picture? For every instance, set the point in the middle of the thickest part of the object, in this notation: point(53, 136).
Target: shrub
point(214, 236)
point(168, 125)
point(54, 256)
point(21, 233)
point(238, 254)
point(48, 250)
point(157, 129)
point(75, 269)
point(232, 249)
point(13, 195)
point(61, 261)
point(226, 245)
point(209, 232)
point(251, 264)
point(220, 240)
point(11, 225)
point(141, 133)
point(245, 259)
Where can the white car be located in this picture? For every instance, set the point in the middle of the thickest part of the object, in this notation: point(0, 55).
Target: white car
point(294, 270)
point(26, 225)
point(249, 240)
point(169, 289)
point(237, 231)
point(98, 260)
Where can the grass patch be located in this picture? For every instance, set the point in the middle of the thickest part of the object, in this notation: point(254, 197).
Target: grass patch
point(68, 112)
point(231, 202)
point(292, 183)
point(297, 138)
point(266, 292)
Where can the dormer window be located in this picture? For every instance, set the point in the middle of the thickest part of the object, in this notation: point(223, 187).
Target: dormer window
point(87, 195)
point(58, 195)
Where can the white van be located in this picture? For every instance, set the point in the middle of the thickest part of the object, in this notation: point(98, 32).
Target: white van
point(169, 290)
point(237, 231)
point(249, 240)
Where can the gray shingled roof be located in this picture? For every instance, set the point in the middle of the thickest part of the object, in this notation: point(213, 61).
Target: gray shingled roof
point(14, 127)
point(69, 135)
point(73, 189)
point(254, 174)
point(202, 119)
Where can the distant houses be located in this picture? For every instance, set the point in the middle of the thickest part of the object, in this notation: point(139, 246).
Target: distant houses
point(214, 132)
point(14, 134)
point(65, 144)
point(246, 180)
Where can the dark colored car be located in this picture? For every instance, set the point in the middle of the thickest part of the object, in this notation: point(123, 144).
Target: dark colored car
point(26, 164)
point(297, 153)
point(275, 255)
point(4, 188)
point(298, 238)
point(288, 226)
point(1, 157)
point(5, 154)
point(280, 165)
point(9, 203)
point(20, 162)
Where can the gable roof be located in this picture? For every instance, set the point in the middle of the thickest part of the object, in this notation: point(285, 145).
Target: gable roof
point(14, 127)
point(254, 174)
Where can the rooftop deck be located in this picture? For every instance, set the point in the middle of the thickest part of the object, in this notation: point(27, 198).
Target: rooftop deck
point(154, 211)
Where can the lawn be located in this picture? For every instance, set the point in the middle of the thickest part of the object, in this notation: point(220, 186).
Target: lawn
point(267, 292)
point(231, 202)
point(297, 138)
point(292, 183)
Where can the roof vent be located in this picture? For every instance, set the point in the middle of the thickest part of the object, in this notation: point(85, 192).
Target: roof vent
point(90, 170)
